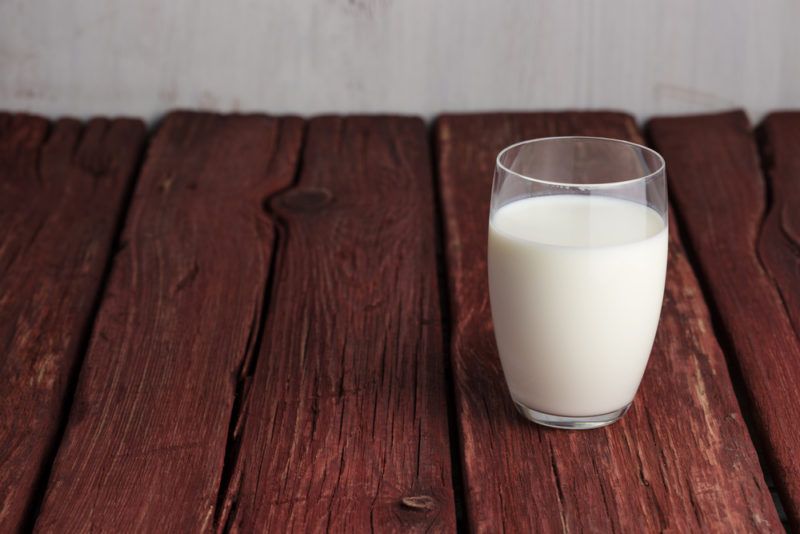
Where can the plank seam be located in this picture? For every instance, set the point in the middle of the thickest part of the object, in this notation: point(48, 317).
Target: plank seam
point(453, 424)
point(43, 479)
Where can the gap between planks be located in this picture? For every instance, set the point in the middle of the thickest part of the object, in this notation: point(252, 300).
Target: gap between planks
point(85, 336)
point(65, 184)
point(454, 429)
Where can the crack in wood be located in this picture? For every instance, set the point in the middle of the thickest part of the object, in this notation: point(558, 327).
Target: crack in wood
point(228, 494)
point(560, 490)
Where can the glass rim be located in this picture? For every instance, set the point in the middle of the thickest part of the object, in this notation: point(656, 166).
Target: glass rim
point(661, 163)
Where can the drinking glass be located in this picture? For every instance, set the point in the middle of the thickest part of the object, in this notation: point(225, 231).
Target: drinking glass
point(578, 235)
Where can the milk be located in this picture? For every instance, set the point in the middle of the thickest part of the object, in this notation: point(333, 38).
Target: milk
point(576, 284)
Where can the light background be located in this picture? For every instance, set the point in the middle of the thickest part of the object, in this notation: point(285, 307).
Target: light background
point(88, 57)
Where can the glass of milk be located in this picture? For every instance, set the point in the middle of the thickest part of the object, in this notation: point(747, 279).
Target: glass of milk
point(577, 262)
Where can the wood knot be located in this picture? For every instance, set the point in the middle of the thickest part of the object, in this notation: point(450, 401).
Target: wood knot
point(419, 502)
point(304, 199)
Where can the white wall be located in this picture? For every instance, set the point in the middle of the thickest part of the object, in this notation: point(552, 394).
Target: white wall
point(85, 57)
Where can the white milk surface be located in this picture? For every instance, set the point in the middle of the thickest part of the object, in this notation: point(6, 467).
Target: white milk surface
point(576, 284)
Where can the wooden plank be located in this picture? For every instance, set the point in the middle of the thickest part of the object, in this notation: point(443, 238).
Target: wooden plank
point(346, 427)
point(680, 460)
point(779, 246)
point(62, 190)
point(719, 191)
point(145, 445)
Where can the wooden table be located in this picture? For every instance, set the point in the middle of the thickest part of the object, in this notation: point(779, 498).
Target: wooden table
point(250, 323)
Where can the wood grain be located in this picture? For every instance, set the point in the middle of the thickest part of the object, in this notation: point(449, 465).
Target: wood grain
point(62, 190)
point(779, 246)
point(680, 460)
point(719, 191)
point(146, 440)
point(346, 425)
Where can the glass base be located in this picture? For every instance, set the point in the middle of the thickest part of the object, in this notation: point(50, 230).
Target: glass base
point(565, 422)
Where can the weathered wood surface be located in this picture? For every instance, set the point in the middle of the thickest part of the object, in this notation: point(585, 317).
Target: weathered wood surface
point(346, 422)
point(779, 246)
point(146, 440)
point(680, 460)
point(719, 191)
point(62, 190)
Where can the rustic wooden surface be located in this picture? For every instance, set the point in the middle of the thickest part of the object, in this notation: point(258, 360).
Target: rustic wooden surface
point(680, 460)
point(146, 441)
point(780, 239)
point(346, 425)
point(62, 191)
point(718, 188)
point(779, 247)
point(269, 355)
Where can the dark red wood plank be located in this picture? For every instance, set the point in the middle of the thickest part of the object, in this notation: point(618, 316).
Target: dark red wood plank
point(145, 444)
point(680, 460)
point(718, 188)
point(346, 427)
point(779, 246)
point(62, 190)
